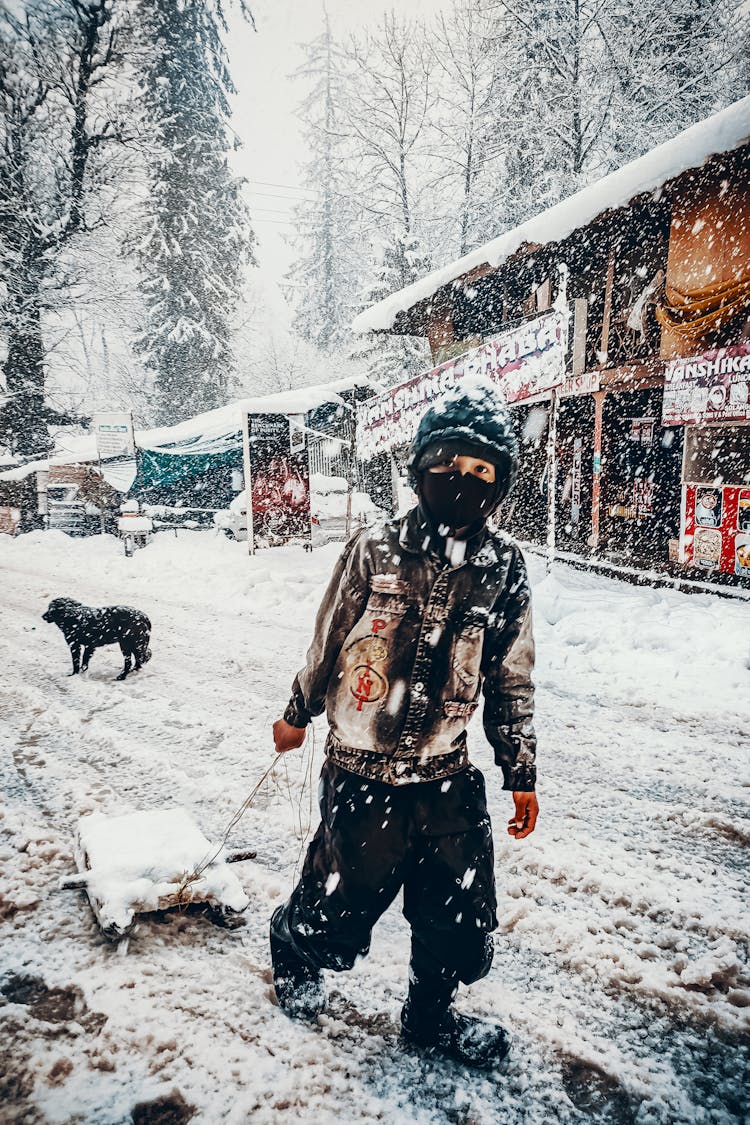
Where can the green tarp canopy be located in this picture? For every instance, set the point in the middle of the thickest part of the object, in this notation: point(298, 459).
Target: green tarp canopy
point(195, 473)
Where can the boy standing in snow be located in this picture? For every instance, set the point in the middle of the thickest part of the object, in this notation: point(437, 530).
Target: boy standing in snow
point(422, 615)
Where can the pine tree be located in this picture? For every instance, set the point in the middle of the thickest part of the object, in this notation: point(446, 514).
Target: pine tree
point(196, 235)
point(386, 358)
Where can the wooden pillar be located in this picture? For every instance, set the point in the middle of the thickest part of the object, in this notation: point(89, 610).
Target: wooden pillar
point(604, 341)
point(599, 397)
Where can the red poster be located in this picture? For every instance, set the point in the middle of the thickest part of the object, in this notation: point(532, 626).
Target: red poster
point(280, 481)
point(716, 522)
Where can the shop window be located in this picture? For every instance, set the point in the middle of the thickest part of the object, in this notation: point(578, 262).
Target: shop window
point(717, 455)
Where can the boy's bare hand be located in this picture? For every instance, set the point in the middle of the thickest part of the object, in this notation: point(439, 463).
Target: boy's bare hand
point(524, 821)
point(286, 737)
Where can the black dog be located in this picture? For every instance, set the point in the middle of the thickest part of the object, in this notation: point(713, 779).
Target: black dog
point(87, 628)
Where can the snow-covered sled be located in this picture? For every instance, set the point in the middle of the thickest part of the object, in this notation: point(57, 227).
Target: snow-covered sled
point(146, 861)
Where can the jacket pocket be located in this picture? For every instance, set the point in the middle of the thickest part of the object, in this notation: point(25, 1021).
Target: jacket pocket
point(466, 657)
point(389, 596)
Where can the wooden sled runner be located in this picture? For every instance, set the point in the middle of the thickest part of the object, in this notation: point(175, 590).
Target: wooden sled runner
point(147, 861)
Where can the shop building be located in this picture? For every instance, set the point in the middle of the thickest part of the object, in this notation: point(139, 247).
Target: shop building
point(618, 325)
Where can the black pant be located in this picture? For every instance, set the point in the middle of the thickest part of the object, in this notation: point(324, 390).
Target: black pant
point(434, 838)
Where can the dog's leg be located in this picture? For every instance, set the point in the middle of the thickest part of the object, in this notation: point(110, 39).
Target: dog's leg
point(87, 653)
point(128, 664)
point(75, 652)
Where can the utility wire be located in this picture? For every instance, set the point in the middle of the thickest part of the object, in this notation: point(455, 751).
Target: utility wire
point(287, 187)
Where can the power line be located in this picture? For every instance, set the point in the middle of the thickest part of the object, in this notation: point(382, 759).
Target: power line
point(286, 187)
point(278, 222)
point(290, 198)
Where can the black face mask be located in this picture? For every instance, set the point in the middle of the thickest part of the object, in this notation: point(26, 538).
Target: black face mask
point(456, 499)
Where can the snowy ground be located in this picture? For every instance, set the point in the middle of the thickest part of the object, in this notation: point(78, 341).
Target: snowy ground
point(621, 961)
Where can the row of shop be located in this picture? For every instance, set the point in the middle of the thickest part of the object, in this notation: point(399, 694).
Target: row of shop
point(617, 326)
point(616, 475)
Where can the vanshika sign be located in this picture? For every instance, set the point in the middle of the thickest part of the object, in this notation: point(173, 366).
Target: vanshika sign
point(714, 387)
point(526, 362)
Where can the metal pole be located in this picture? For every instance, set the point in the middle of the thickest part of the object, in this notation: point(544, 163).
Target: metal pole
point(248, 483)
point(596, 478)
point(552, 479)
point(101, 493)
point(351, 476)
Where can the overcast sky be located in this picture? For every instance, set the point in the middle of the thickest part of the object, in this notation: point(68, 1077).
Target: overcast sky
point(264, 118)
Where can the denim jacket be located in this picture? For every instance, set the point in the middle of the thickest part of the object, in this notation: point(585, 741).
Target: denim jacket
point(405, 645)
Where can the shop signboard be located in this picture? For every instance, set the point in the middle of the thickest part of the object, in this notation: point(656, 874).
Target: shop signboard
point(527, 362)
point(716, 528)
point(583, 383)
point(113, 431)
point(279, 480)
point(714, 387)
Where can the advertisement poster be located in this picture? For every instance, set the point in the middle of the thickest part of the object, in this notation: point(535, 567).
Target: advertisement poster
point(708, 507)
point(642, 430)
point(714, 387)
point(743, 510)
point(525, 362)
point(707, 548)
point(575, 491)
point(643, 497)
point(279, 481)
point(715, 518)
point(742, 556)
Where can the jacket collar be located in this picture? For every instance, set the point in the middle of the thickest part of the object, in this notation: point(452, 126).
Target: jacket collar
point(417, 536)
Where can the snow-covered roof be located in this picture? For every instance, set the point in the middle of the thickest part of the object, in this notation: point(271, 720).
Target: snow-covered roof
point(72, 448)
point(228, 419)
point(20, 472)
point(723, 132)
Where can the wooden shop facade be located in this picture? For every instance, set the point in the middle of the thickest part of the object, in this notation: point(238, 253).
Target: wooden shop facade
point(618, 325)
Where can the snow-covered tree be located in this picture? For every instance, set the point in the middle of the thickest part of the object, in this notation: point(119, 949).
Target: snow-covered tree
point(60, 119)
point(195, 237)
point(672, 63)
point(391, 359)
point(464, 170)
point(326, 272)
point(583, 86)
point(387, 117)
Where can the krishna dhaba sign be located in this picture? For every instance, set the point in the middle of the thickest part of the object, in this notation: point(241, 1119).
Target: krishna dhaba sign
point(525, 363)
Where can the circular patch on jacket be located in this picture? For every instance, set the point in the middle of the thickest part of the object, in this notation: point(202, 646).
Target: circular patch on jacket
point(367, 685)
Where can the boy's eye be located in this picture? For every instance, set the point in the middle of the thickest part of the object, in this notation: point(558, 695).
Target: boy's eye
point(446, 463)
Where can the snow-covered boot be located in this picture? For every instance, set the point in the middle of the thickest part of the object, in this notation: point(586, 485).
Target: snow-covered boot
point(430, 1023)
point(299, 986)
